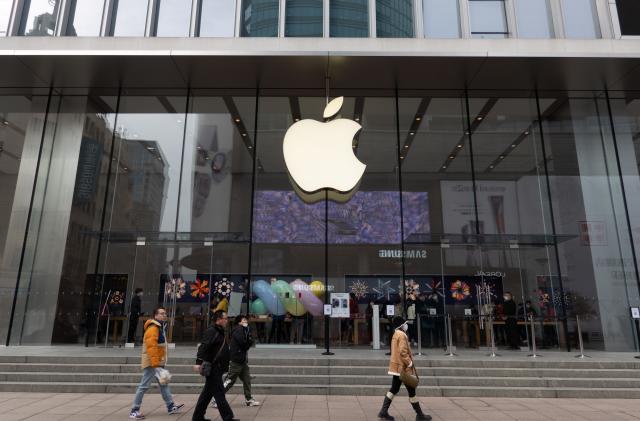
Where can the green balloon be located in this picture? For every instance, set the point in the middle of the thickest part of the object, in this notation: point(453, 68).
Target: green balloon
point(287, 296)
point(258, 307)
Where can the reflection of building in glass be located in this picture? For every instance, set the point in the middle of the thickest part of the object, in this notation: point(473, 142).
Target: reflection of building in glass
point(259, 18)
point(45, 24)
point(349, 18)
point(394, 18)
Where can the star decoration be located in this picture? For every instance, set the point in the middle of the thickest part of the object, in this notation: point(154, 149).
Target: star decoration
point(360, 289)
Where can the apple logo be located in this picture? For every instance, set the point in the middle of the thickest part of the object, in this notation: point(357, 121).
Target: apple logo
point(319, 155)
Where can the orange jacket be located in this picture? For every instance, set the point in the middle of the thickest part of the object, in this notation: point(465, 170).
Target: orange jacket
point(401, 356)
point(154, 349)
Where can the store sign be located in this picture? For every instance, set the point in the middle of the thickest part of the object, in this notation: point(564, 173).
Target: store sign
point(397, 254)
point(319, 155)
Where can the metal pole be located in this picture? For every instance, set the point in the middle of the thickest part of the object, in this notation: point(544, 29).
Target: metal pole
point(106, 335)
point(533, 339)
point(450, 352)
point(580, 343)
point(419, 335)
point(493, 339)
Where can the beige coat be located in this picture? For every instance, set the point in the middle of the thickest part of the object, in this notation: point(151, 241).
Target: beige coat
point(401, 356)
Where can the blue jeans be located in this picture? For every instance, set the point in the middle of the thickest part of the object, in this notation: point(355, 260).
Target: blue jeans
point(148, 374)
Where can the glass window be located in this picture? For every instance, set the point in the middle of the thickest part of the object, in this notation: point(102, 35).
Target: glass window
point(394, 18)
point(5, 15)
point(174, 18)
point(441, 18)
point(488, 19)
point(217, 18)
point(303, 18)
point(580, 19)
point(349, 18)
point(85, 18)
point(534, 19)
point(40, 18)
point(259, 18)
point(130, 18)
point(629, 16)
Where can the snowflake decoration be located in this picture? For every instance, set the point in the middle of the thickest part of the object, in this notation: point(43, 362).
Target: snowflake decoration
point(117, 298)
point(224, 287)
point(412, 289)
point(435, 287)
point(460, 290)
point(199, 288)
point(383, 290)
point(360, 289)
point(177, 285)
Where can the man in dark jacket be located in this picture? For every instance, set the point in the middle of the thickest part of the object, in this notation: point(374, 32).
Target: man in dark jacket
point(241, 342)
point(511, 324)
point(213, 349)
point(134, 315)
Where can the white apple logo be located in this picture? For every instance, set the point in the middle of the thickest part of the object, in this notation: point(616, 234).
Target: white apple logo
point(320, 155)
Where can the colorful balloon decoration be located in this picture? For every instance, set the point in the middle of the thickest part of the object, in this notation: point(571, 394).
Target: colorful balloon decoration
point(268, 296)
point(258, 308)
point(287, 296)
point(317, 288)
point(311, 302)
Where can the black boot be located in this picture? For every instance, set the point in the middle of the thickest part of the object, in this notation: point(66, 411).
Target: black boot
point(384, 412)
point(420, 416)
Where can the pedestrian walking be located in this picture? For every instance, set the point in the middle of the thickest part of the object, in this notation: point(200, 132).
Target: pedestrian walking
point(154, 357)
point(134, 315)
point(401, 361)
point(241, 342)
point(212, 362)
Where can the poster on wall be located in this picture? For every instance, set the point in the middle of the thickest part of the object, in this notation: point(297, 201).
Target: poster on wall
point(340, 305)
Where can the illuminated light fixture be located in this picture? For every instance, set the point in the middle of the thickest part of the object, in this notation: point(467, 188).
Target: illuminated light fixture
point(418, 118)
point(459, 146)
point(479, 118)
point(526, 133)
point(444, 167)
point(401, 157)
point(451, 157)
point(250, 147)
point(125, 168)
point(357, 118)
point(411, 133)
point(501, 156)
point(237, 120)
point(406, 146)
point(513, 146)
point(244, 134)
point(311, 147)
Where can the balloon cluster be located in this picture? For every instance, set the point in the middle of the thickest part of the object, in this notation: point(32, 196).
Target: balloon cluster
point(280, 297)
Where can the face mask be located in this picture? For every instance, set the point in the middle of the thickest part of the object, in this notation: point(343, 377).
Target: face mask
point(506, 298)
point(404, 327)
point(244, 324)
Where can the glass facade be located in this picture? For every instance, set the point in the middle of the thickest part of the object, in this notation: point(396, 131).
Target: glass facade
point(303, 18)
point(186, 196)
point(488, 19)
point(534, 19)
point(85, 18)
point(349, 18)
point(259, 18)
point(129, 18)
point(441, 18)
point(39, 17)
point(217, 18)
point(174, 19)
point(394, 19)
point(580, 19)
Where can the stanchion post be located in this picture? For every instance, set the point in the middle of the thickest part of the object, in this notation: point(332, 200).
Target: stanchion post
point(580, 342)
point(450, 352)
point(493, 338)
point(534, 353)
point(419, 334)
point(106, 335)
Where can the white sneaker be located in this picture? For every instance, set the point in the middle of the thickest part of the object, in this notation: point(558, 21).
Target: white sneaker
point(252, 402)
point(214, 404)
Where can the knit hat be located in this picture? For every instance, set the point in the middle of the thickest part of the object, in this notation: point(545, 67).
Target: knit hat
point(398, 321)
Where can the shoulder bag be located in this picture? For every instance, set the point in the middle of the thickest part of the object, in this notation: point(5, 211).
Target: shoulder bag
point(207, 366)
point(410, 379)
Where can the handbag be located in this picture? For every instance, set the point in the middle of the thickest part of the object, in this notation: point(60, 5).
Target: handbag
point(163, 375)
point(410, 379)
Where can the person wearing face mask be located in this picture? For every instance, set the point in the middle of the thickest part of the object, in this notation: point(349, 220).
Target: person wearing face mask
point(241, 342)
point(401, 360)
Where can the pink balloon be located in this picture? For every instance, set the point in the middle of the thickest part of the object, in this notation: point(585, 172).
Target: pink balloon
point(313, 304)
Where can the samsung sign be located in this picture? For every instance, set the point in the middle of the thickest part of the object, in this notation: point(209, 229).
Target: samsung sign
point(397, 254)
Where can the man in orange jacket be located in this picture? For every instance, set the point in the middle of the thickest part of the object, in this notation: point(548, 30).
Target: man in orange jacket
point(154, 355)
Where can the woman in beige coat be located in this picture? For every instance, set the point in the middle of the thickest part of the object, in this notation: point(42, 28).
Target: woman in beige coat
point(401, 360)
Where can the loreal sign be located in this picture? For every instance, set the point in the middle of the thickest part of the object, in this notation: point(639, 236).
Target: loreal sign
point(397, 254)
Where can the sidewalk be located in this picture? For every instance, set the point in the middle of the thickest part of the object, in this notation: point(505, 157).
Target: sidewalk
point(92, 407)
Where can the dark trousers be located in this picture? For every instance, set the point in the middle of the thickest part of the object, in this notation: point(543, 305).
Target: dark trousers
point(133, 326)
point(395, 387)
point(213, 388)
point(511, 326)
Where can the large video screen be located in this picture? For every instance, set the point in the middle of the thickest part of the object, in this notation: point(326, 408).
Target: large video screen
point(370, 217)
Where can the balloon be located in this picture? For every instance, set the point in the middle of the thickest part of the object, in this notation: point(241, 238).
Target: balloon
point(258, 308)
point(268, 296)
point(313, 304)
point(317, 287)
point(288, 297)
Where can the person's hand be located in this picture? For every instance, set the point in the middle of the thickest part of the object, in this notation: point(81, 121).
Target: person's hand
point(411, 364)
point(196, 368)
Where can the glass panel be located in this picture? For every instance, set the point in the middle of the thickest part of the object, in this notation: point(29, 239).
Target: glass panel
point(259, 18)
point(580, 19)
point(488, 19)
point(303, 18)
point(130, 18)
point(394, 18)
point(21, 126)
point(85, 18)
point(174, 18)
point(596, 263)
point(441, 18)
point(5, 16)
point(217, 18)
point(288, 234)
point(40, 18)
point(629, 16)
point(534, 19)
point(349, 18)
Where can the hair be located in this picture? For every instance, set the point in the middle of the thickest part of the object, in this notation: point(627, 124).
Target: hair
point(138, 290)
point(157, 309)
point(217, 315)
point(239, 318)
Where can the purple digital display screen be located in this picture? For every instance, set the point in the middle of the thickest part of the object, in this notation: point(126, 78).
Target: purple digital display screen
point(370, 217)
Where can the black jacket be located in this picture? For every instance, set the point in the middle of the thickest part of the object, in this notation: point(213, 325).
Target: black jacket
point(509, 308)
point(136, 306)
point(212, 339)
point(241, 342)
